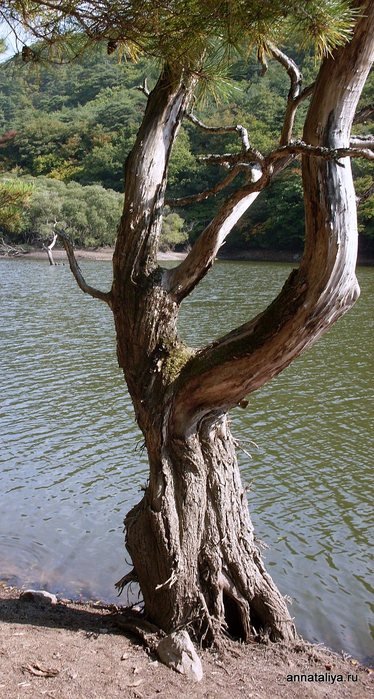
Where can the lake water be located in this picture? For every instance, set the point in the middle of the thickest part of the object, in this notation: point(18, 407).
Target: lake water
point(72, 463)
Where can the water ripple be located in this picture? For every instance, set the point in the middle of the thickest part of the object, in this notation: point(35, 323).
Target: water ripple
point(71, 466)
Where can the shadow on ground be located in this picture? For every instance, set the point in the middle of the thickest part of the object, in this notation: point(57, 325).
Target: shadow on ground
point(88, 618)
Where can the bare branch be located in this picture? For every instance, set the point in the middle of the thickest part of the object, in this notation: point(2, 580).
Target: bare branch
point(292, 69)
point(362, 141)
point(217, 130)
point(229, 159)
point(143, 88)
point(299, 147)
point(220, 130)
point(77, 273)
point(50, 247)
point(202, 196)
point(306, 92)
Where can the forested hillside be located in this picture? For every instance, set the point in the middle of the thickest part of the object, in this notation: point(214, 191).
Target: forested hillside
point(65, 131)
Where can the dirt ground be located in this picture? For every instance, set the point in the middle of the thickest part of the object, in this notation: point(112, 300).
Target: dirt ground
point(75, 651)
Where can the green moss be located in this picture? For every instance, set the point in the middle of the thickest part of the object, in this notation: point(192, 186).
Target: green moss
point(176, 359)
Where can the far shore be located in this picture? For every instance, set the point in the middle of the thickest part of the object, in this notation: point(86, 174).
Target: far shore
point(105, 254)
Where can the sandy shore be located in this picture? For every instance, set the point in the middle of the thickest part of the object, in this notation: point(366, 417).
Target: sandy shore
point(106, 254)
point(101, 254)
point(76, 651)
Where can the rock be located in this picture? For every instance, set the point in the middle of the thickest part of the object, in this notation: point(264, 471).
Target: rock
point(39, 596)
point(177, 651)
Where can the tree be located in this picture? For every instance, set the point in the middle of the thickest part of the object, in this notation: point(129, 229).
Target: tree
point(14, 198)
point(190, 538)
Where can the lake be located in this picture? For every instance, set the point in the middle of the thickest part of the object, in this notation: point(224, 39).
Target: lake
point(72, 462)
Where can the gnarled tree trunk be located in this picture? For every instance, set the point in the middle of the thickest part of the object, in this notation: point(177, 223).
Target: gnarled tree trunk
point(190, 538)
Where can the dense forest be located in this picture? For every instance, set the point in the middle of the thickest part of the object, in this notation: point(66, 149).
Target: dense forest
point(65, 131)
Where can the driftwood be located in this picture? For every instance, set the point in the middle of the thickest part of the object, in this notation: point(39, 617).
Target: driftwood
point(10, 251)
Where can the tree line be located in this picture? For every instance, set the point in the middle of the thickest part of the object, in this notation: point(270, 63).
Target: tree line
point(71, 126)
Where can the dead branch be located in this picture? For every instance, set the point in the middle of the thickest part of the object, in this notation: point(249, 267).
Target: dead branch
point(292, 69)
point(301, 148)
point(221, 130)
point(229, 159)
point(130, 577)
point(217, 130)
point(7, 250)
point(201, 196)
point(362, 141)
point(77, 273)
point(136, 625)
point(143, 88)
point(182, 279)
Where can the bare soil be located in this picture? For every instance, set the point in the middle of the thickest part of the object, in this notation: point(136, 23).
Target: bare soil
point(76, 651)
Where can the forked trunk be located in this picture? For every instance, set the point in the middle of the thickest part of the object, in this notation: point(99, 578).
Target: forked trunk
point(190, 538)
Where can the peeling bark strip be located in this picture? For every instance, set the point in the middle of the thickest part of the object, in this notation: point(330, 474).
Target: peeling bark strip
point(190, 538)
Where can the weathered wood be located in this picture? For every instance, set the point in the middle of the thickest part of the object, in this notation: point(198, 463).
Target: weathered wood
point(190, 538)
point(50, 248)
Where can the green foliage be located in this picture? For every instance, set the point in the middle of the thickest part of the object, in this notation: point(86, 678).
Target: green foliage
point(177, 31)
point(276, 219)
point(89, 214)
point(75, 124)
point(173, 231)
point(14, 200)
point(31, 206)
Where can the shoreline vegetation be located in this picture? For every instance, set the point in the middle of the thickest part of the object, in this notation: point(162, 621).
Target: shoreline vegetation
point(75, 649)
point(106, 254)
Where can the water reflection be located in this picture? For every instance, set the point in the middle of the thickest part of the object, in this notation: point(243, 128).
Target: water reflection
point(72, 464)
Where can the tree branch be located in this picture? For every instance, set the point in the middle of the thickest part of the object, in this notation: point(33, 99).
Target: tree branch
point(299, 147)
point(182, 279)
point(77, 273)
point(221, 130)
point(295, 95)
point(362, 141)
point(202, 196)
point(324, 287)
point(229, 159)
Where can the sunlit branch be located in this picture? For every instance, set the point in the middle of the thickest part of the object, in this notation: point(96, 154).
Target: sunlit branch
point(230, 159)
point(221, 130)
point(182, 279)
point(292, 70)
point(77, 273)
point(216, 130)
point(362, 141)
point(295, 95)
point(301, 148)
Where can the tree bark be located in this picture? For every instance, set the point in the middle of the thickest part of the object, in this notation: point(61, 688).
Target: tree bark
point(193, 547)
point(190, 538)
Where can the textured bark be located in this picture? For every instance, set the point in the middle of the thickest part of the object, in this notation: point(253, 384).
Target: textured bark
point(193, 546)
point(190, 537)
